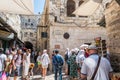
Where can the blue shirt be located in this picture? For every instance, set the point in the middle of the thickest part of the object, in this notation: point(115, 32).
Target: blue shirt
point(57, 59)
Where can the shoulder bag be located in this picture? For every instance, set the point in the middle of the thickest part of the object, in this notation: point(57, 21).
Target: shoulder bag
point(96, 69)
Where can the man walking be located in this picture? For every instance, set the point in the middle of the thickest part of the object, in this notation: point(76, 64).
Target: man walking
point(58, 64)
point(89, 66)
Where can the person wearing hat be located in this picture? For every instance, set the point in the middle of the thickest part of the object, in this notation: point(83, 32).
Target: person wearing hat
point(73, 65)
point(89, 66)
point(45, 61)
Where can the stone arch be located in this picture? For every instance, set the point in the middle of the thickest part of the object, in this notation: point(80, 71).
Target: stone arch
point(80, 3)
point(28, 45)
point(106, 5)
point(70, 8)
point(118, 1)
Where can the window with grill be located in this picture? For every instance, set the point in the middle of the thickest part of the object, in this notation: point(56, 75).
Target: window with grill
point(26, 24)
point(70, 8)
point(25, 34)
point(28, 20)
point(31, 34)
point(31, 24)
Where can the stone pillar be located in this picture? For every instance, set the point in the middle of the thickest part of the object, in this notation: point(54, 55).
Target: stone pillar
point(112, 15)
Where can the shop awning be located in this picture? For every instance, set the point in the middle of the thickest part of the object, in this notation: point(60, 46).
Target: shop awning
point(88, 8)
point(17, 6)
point(6, 35)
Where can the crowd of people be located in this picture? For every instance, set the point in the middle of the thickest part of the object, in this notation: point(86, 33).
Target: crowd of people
point(82, 63)
point(12, 61)
point(17, 62)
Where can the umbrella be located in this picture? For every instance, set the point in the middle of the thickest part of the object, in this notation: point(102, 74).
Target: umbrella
point(17, 6)
point(87, 8)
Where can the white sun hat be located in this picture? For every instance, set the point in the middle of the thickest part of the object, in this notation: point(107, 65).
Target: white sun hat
point(84, 46)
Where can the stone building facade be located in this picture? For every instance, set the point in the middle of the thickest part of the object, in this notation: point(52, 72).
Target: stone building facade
point(58, 18)
point(29, 28)
point(10, 30)
point(112, 15)
point(58, 22)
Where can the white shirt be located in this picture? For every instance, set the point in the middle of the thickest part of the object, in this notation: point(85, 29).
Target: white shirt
point(80, 57)
point(10, 56)
point(3, 58)
point(39, 59)
point(26, 63)
point(89, 66)
point(27, 58)
point(45, 59)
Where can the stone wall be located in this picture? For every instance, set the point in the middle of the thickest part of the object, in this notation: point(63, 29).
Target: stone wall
point(29, 28)
point(112, 15)
point(77, 36)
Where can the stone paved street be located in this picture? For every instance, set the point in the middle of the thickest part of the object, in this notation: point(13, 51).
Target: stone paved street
point(48, 77)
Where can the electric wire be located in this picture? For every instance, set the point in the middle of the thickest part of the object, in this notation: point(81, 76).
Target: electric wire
point(25, 7)
point(18, 4)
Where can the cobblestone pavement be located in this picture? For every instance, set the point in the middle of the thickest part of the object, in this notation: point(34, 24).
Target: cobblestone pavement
point(48, 77)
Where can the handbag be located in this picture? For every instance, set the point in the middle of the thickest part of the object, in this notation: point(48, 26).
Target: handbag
point(3, 76)
point(96, 69)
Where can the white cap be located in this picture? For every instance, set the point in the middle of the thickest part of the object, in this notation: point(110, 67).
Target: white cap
point(92, 47)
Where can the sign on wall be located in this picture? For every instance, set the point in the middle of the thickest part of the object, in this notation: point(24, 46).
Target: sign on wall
point(57, 46)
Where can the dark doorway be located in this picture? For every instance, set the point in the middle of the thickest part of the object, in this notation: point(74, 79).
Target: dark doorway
point(70, 8)
point(28, 45)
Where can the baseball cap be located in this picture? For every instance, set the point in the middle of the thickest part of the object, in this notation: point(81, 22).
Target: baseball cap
point(92, 47)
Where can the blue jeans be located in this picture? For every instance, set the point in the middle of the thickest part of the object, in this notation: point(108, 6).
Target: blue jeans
point(17, 71)
point(0, 73)
point(60, 73)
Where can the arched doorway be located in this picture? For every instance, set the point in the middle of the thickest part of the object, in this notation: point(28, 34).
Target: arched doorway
point(70, 8)
point(81, 2)
point(28, 45)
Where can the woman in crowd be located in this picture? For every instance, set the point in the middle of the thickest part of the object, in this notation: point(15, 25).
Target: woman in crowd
point(26, 63)
point(9, 64)
point(45, 61)
point(73, 65)
point(39, 64)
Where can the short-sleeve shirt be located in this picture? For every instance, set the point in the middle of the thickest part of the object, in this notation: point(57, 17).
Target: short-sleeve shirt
point(80, 57)
point(58, 59)
point(39, 58)
point(89, 66)
point(45, 59)
point(3, 58)
point(18, 60)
